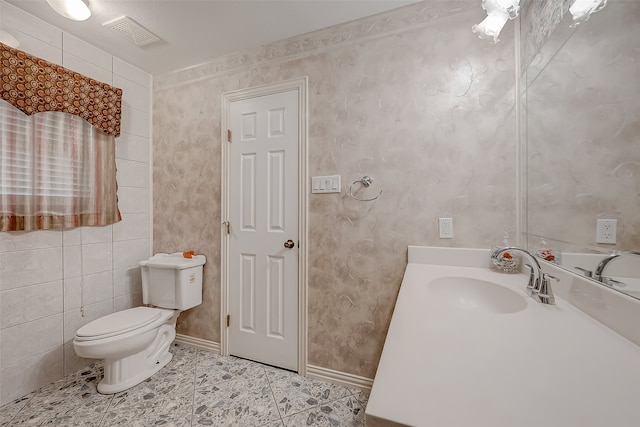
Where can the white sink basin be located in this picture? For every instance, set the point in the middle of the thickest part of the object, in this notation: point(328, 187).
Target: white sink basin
point(467, 346)
point(467, 293)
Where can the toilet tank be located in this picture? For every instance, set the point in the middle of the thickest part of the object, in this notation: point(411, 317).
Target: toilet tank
point(172, 281)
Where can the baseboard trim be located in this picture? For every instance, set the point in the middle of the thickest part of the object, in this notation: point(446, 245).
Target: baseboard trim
point(198, 343)
point(315, 372)
point(340, 378)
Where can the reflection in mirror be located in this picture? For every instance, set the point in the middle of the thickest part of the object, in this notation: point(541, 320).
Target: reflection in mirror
point(582, 132)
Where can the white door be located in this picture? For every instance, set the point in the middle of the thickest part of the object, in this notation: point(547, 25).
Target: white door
point(263, 216)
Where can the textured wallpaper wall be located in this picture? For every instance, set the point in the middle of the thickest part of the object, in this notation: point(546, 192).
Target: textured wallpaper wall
point(411, 97)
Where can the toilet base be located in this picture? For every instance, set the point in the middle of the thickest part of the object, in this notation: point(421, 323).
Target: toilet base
point(124, 373)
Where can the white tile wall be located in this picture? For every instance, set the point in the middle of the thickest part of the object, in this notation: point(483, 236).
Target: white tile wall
point(41, 272)
point(95, 288)
point(133, 121)
point(97, 257)
point(129, 300)
point(132, 174)
point(133, 200)
point(133, 147)
point(73, 319)
point(88, 69)
point(139, 98)
point(96, 234)
point(20, 241)
point(30, 303)
point(83, 50)
point(29, 267)
point(30, 339)
point(18, 19)
point(71, 236)
point(35, 46)
point(71, 261)
point(127, 280)
point(128, 253)
point(132, 226)
point(128, 71)
point(73, 362)
point(31, 373)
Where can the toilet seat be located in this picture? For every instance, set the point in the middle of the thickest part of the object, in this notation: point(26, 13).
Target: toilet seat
point(118, 323)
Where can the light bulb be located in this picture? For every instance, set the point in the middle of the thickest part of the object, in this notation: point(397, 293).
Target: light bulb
point(581, 10)
point(498, 13)
point(77, 10)
point(491, 26)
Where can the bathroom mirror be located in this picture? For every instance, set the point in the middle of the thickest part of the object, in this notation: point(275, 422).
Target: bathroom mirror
point(581, 127)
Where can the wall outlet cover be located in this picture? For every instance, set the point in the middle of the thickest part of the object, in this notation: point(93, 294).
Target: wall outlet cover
point(606, 230)
point(445, 228)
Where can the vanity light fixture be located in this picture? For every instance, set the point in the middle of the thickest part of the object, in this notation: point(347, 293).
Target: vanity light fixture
point(498, 13)
point(581, 10)
point(78, 10)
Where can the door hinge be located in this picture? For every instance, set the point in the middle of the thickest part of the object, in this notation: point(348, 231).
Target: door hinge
point(229, 135)
point(227, 226)
point(228, 320)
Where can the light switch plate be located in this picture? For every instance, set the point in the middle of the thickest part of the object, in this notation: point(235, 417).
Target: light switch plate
point(326, 184)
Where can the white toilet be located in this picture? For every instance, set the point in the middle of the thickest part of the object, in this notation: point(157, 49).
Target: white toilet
point(134, 343)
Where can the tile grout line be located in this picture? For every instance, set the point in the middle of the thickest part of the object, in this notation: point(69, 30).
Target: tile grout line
point(103, 419)
point(26, 404)
point(273, 395)
point(195, 376)
point(318, 405)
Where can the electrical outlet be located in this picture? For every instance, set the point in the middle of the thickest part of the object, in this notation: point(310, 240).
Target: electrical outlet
point(606, 230)
point(445, 228)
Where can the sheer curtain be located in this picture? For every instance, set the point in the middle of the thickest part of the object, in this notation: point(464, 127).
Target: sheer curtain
point(56, 171)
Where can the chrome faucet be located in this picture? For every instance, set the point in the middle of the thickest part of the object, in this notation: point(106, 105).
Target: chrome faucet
point(603, 263)
point(539, 286)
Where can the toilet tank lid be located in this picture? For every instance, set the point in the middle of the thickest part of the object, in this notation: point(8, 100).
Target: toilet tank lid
point(119, 322)
point(175, 260)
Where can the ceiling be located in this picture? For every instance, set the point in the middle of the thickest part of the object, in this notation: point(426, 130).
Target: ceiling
point(194, 32)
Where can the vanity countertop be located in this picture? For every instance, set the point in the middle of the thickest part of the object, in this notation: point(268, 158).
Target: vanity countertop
point(543, 365)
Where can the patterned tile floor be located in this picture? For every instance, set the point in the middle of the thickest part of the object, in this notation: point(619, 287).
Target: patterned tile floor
point(196, 388)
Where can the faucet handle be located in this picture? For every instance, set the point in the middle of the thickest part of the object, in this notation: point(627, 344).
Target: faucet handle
point(545, 294)
point(610, 281)
point(532, 277)
point(587, 273)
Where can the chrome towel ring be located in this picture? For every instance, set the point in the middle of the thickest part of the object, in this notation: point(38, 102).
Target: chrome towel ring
point(365, 181)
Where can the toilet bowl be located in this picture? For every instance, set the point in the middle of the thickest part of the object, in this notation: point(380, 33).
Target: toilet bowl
point(135, 343)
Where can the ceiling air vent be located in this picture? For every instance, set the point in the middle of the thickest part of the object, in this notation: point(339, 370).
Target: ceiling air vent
point(132, 31)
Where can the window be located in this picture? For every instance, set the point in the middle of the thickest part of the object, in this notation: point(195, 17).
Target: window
point(56, 171)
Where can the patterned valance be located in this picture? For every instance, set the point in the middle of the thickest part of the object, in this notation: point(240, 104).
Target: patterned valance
point(32, 85)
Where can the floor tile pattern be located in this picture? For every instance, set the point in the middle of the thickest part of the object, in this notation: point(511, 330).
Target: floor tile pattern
point(197, 388)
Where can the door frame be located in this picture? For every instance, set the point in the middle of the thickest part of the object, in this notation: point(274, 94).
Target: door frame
point(300, 84)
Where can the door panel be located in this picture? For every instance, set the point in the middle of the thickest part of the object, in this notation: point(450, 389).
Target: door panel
point(263, 212)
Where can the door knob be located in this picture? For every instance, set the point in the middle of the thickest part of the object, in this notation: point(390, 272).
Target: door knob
point(289, 244)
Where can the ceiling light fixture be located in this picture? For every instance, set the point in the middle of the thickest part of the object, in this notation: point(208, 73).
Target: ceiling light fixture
point(78, 10)
point(498, 13)
point(581, 10)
